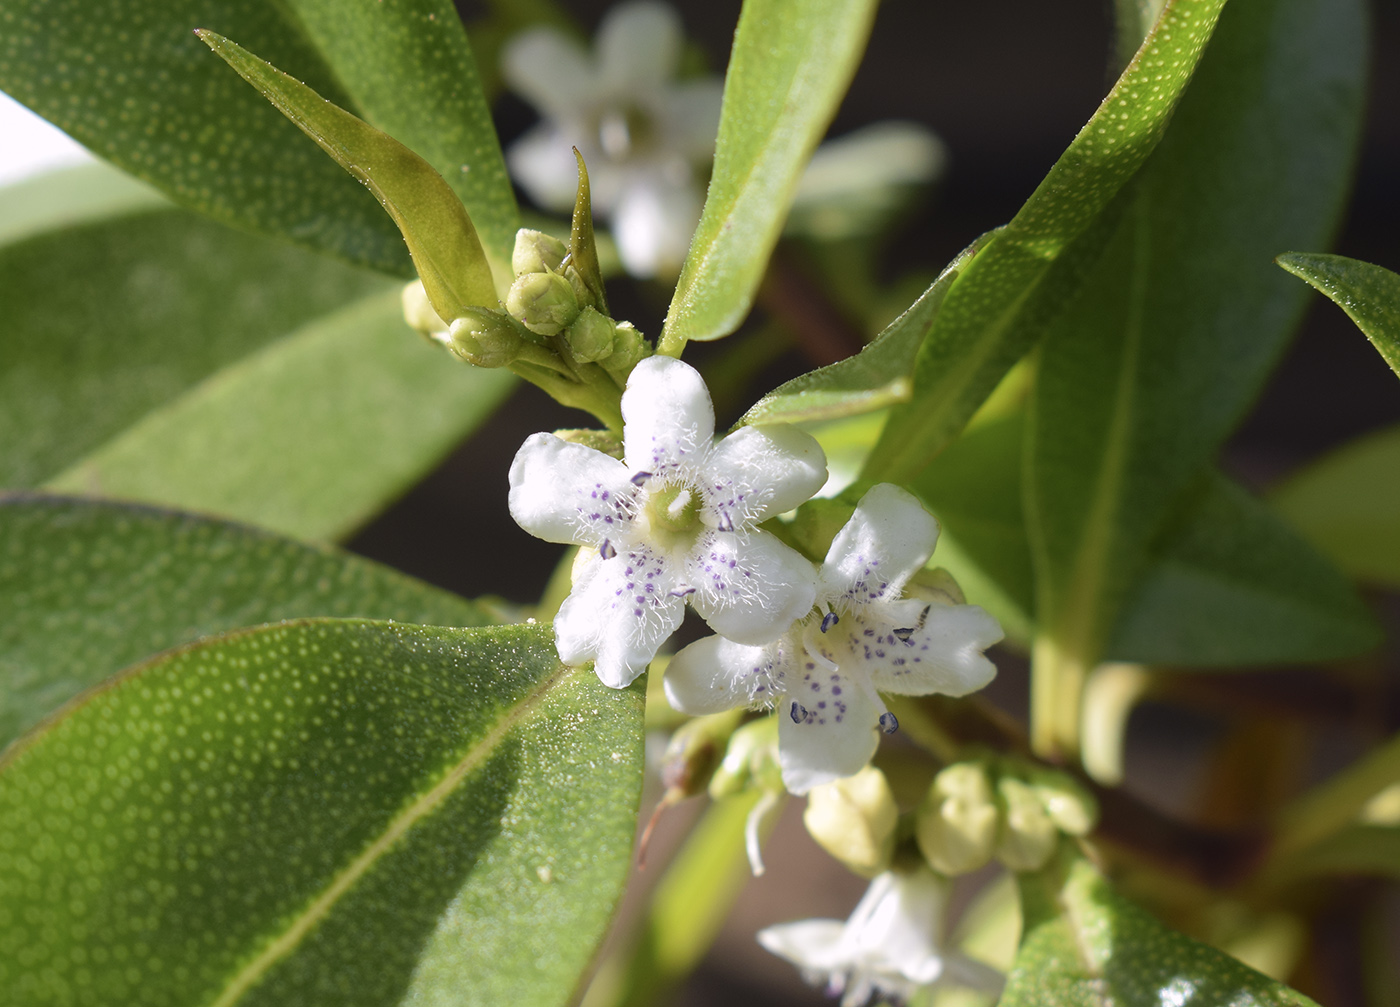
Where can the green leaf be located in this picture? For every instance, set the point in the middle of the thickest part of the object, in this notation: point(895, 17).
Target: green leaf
point(1177, 326)
point(1083, 945)
point(310, 437)
point(155, 105)
point(322, 812)
point(409, 70)
point(1345, 505)
point(88, 588)
point(1229, 584)
point(1372, 850)
point(583, 246)
point(1367, 293)
point(790, 67)
point(70, 196)
point(104, 322)
point(876, 377)
point(440, 236)
point(998, 307)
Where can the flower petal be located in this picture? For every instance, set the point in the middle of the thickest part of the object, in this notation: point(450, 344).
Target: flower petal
point(943, 655)
point(758, 472)
point(669, 421)
point(714, 674)
point(638, 47)
point(826, 732)
point(811, 945)
point(563, 492)
point(542, 161)
point(619, 613)
point(691, 117)
point(748, 585)
point(888, 538)
point(551, 71)
point(653, 225)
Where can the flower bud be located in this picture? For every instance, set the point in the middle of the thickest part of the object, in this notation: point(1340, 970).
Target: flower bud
point(418, 310)
point(750, 760)
point(484, 337)
point(693, 752)
point(582, 294)
point(591, 336)
point(543, 301)
point(1070, 806)
point(956, 823)
point(854, 820)
point(629, 349)
point(1028, 836)
point(536, 252)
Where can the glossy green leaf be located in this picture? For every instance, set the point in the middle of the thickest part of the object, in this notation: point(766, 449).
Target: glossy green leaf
point(1177, 326)
point(1345, 505)
point(789, 69)
point(1367, 293)
point(90, 587)
point(104, 322)
point(324, 812)
point(311, 436)
point(154, 103)
point(440, 236)
point(876, 377)
point(1083, 945)
point(1227, 583)
point(409, 70)
point(71, 196)
point(1001, 302)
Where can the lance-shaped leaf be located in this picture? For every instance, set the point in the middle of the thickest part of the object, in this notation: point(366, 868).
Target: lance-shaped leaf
point(790, 67)
point(440, 236)
point(1369, 294)
point(90, 587)
point(310, 437)
point(410, 72)
point(155, 105)
point(1345, 505)
point(321, 812)
point(106, 321)
point(1083, 945)
point(1001, 303)
point(583, 247)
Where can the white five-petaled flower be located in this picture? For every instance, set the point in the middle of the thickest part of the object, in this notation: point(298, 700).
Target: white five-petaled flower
point(825, 674)
point(641, 133)
point(673, 522)
point(888, 949)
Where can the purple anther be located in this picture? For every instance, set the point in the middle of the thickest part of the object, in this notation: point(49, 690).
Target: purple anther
point(606, 550)
point(829, 620)
point(888, 723)
point(640, 478)
point(682, 592)
point(904, 634)
point(798, 713)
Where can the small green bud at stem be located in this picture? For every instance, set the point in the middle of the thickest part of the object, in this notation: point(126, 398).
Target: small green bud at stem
point(854, 820)
point(956, 823)
point(543, 301)
point(629, 349)
point(750, 760)
point(485, 338)
point(1028, 836)
point(1072, 808)
point(536, 252)
point(591, 336)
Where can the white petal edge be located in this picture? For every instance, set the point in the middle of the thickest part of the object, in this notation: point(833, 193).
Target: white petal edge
point(568, 493)
point(887, 540)
point(714, 674)
point(667, 415)
point(811, 754)
point(809, 944)
point(638, 47)
point(691, 117)
point(767, 470)
point(950, 645)
point(749, 586)
point(551, 71)
point(653, 224)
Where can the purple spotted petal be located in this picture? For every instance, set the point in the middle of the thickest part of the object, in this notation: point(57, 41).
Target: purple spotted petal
point(888, 538)
point(944, 655)
point(714, 674)
point(749, 586)
point(758, 472)
point(563, 492)
point(669, 423)
point(827, 727)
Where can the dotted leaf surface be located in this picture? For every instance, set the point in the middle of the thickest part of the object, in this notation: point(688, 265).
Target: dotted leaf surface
point(790, 67)
point(1369, 294)
point(997, 308)
point(88, 588)
point(133, 83)
point(327, 812)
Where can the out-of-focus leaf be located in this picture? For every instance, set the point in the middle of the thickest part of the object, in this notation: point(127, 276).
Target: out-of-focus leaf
point(789, 69)
point(1229, 584)
point(440, 236)
point(876, 377)
point(1369, 294)
point(1002, 302)
point(1083, 945)
point(1347, 505)
point(104, 322)
point(333, 811)
point(1360, 850)
point(156, 105)
point(1175, 329)
point(1132, 20)
point(71, 196)
point(409, 70)
point(88, 588)
point(311, 436)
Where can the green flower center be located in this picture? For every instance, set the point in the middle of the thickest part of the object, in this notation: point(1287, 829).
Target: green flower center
point(624, 131)
point(673, 514)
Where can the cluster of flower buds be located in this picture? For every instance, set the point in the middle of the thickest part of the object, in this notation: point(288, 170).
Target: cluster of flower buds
point(1002, 808)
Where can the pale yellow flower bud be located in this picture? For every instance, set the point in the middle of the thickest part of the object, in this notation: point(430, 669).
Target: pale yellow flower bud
point(536, 252)
point(544, 302)
point(1028, 836)
point(591, 336)
point(854, 820)
point(485, 338)
point(956, 824)
point(418, 310)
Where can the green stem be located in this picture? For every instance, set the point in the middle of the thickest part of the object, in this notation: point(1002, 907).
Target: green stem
point(1330, 807)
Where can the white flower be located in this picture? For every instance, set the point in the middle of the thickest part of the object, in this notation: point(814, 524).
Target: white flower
point(641, 133)
point(889, 948)
point(676, 520)
point(825, 674)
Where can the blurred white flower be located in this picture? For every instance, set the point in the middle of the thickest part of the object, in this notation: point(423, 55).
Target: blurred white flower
point(30, 145)
point(641, 132)
point(889, 949)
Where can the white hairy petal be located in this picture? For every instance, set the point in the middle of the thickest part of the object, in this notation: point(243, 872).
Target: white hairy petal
point(749, 586)
point(669, 421)
point(759, 472)
point(563, 492)
point(714, 674)
point(828, 734)
point(944, 655)
point(887, 540)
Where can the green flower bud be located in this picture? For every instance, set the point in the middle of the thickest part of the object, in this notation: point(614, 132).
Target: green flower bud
point(484, 337)
point(591, 335)
point(543, 301)
point(629, 349)
point(536, 252)
point(854, 820)
point(1028, 836)
point(693, 752)
point(581, 291)
point(750, 760)
point(956, 823)
point(1070, 806)
point(418, 310)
